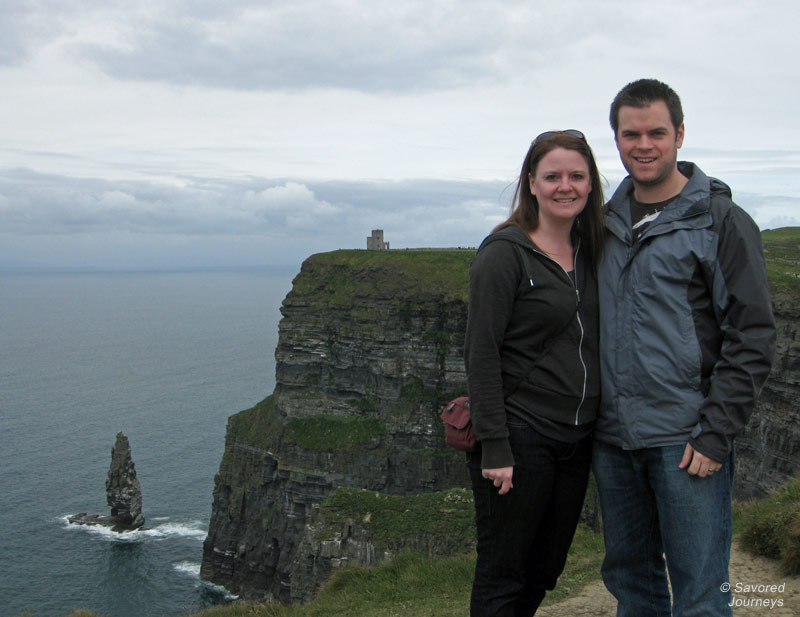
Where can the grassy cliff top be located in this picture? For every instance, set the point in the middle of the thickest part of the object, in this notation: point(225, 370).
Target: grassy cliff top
point(352, 273)
point(346, 274)
point(782, 252)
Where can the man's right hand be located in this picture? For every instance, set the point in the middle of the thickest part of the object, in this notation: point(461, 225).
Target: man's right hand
point(500, 477)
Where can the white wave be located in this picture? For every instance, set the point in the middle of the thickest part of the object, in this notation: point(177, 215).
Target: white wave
point(192, 529)
point(192, 569)
point(188, 567)
point(106, 533)
point(219, 589)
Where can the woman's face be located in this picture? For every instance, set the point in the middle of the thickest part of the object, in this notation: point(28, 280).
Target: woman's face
point(561, 184)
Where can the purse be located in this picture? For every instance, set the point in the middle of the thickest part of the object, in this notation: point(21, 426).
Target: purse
point(458, 431)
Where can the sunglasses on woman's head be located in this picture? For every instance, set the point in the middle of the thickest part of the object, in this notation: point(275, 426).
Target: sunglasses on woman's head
point(549, 134)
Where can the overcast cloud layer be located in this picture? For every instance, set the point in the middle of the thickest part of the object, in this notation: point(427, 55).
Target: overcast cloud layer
point(177, 133)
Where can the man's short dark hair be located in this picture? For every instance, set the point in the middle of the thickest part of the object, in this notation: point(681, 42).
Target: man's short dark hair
point(644, 92)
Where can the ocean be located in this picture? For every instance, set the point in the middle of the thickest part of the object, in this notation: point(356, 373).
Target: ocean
point(164, 357)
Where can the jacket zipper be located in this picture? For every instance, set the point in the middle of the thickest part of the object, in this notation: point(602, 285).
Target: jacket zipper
point(580, 324)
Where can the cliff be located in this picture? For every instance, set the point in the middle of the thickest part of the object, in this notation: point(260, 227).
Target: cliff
point(370, 347)
point(768, 452)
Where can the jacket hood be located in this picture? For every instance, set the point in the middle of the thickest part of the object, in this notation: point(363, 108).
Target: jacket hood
point(512, 233)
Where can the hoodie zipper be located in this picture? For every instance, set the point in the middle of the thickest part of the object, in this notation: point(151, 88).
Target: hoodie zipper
point(574, 285)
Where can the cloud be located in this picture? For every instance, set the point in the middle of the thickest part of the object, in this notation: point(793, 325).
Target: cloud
point(382, 46)
point(22, 27)
point(34, 204)
point(248, 221)
point(417, 213)
point(293, 203)
point(770, 211)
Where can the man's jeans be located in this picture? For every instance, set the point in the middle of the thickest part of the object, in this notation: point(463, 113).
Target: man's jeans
point(652, 509)
point(524, 535)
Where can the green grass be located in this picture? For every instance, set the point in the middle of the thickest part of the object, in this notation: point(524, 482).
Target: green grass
point(446, 517)
point(412, 585)
point(332, 433)
point(409, 586)
point(258, 426)
point(771, 526)
point(354, 274)
point(782, 253)
point(351, 275)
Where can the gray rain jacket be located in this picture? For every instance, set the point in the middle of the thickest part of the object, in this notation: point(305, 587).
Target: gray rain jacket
point(687, 334)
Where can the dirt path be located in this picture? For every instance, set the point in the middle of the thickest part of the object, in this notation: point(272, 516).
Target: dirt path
point(747, 572)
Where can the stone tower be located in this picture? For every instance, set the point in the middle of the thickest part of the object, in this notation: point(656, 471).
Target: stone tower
point(375, 241)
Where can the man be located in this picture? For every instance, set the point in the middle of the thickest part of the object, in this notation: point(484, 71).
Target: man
point(686, 342)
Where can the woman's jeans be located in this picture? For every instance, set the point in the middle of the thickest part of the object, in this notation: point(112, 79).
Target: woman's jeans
point(524, 535)
point(652, 509)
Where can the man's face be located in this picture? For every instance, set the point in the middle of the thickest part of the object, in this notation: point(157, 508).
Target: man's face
point(648, 143)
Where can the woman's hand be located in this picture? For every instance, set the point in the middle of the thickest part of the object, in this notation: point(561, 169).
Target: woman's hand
point(500, 477)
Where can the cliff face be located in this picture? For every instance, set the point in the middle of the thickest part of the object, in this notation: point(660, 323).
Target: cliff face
point(370, 348)
point(768, 452)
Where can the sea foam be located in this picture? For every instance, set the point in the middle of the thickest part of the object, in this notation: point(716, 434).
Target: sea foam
point(188, 567)
point(190, 529)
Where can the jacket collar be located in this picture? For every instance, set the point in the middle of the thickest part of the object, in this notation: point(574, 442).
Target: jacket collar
point(693, 200)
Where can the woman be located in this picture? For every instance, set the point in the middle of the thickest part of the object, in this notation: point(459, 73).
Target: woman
point(532, 373)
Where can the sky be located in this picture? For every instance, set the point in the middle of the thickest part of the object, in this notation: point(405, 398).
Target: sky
point(192, 133)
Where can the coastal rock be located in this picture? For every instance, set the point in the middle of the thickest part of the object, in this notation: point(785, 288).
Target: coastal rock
point(123, 493)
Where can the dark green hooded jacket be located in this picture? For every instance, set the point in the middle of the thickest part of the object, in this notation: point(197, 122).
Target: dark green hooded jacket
point(529, 325)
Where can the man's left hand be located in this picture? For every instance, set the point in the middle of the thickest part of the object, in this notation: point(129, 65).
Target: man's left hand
point(698, 464)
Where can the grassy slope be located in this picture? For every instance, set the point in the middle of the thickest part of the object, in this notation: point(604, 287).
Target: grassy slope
point(415, 586)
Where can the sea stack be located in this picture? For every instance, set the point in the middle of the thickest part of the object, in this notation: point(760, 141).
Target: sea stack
point(123, 493)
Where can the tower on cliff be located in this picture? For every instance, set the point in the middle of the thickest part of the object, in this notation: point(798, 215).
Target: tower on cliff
point(375, 241)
